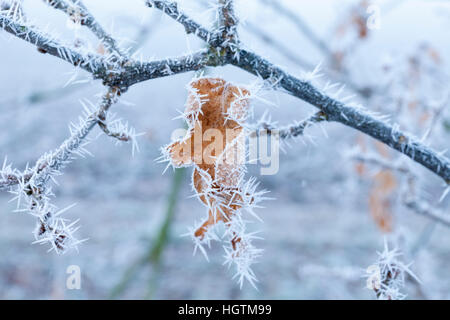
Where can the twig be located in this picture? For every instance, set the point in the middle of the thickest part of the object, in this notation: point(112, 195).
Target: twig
point(423, 208)
point(410, 200)
point(50, 164)
point(227, 22)
point(92, 63)
point(275, 43)
point(78, 12)
point(335, 110)
point(223, 49)
point(155, 250)
point(298, 21)
point(171, 9)
point(9, 180)
point(290, 131)
point(141, 71)
point(364, 92)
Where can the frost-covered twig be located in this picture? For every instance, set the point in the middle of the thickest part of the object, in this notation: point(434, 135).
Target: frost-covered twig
point(275, 43)
point(411, 201)
point(422, 207)
point(46, 43)
point(349, 115)
point(33, 191)
point(10, 177)
point(79, 14)
point(300, 24)
point(135, 72)
point(227, 23)
point(290, 131)
point(381, 162)
point(171, 9)
point(51, 163)
point(123, 76)
point(387, 276)
point(353, 116)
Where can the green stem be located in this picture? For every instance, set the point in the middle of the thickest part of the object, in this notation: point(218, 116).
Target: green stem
point(154, 253)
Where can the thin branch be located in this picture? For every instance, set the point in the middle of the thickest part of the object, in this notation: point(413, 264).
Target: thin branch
point(290, 131)
point(423, 208)
point(45, 43)
point(381, 162)
point(52, 163)
point(410, 200)
point(171, 9)
point(275, 43)
point(78, 12)
point(350, 116)
point(298, 21)
point(136, 72)
point(227, 22)
point(335, 110)
point(155, 249)
point(131, 73)
point(36, 192)
point(9, 180)
point(364, 92)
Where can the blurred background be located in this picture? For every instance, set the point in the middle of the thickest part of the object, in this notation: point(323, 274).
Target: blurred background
point(330, 214)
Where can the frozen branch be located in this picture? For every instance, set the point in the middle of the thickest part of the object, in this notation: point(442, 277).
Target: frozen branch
point(79, 14)
point(171, 9)
point(386, 277)
point(34, 190)
point(354, 117)
point(290, 131)
point(8, 179)
point(302, 26)
point(410, 199)
point(52, 163)
point(227, 23)
point(380, 162)
point(275, 43)
point(112, 74)
point(364, 92)
point(119, 74)
point(135, 72)
point(423, 208)
point(45, 43)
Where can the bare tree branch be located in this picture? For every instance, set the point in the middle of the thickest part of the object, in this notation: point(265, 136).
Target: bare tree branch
point(383, 163)
point(227, 22)
point(364, 92)
point(410, 200)
point(423, 208)
point(130, 73)
point(135, 72)
point(171, 9)
point(298, 21)
point(290, 131)
point(9, 180)
point(335, 110)
point(52, 163)
point(78, 12)
point(92, 63)
point(33, 187)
